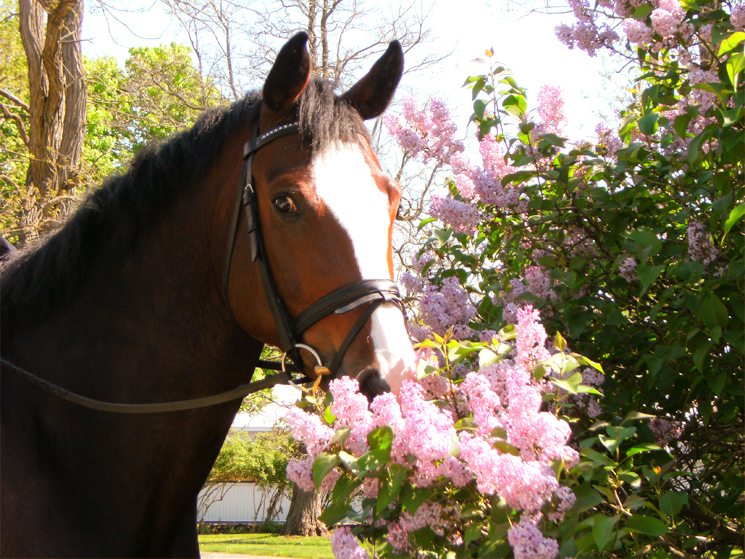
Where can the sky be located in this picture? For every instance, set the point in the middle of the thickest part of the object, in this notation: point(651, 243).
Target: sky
point(526, 45)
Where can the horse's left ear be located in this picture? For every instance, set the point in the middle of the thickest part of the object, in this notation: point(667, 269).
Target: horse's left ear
point(289, 76)
point(372, 94)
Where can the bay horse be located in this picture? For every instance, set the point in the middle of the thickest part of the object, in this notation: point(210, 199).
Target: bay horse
point(137, 302)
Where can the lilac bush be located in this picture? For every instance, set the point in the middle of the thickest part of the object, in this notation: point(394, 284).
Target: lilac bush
point(467, 463)
point(632, 244)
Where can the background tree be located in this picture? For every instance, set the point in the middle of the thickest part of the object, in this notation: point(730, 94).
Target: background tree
point(50, 33)
point(260, 459)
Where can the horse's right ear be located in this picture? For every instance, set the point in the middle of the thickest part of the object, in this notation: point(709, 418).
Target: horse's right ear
point(290, 74)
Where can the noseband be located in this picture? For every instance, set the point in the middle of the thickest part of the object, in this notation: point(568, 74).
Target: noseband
point(372, 293)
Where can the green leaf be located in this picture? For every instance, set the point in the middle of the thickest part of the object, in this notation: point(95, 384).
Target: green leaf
point(735, 65)
point(473, 532)
point(648, 124)
point(598, 458)
point(647, 525)
point(380, 438)
point(344, 488)
point(713, 312)
point(425, 222)
point(643, 447)
point(506, 448)
point(340, 436)
point(413, 497)
point(322, 466)
point(634, 415)
point(559, 342)
point(487, 357)
point(390, 486)
point(671, 503)
point(731, 43)
point(329, 417)
point(681, 124)
point(334, 513)
point(734, 216)
point(602, 530)
point(648, 275)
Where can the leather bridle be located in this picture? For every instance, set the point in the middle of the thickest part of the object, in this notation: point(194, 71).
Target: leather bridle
point(372, 293)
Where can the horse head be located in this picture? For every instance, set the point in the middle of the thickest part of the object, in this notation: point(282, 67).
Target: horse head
point(324, 212)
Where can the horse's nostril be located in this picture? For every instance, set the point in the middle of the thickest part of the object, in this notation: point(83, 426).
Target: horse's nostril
point(372, 384)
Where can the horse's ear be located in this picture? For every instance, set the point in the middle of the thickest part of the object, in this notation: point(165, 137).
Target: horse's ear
point(290, 74)
point(372, 94)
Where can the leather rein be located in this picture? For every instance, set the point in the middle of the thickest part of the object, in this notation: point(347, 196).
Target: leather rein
point(372, 293)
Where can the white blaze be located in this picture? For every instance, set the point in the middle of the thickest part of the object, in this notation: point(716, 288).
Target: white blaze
point(344, 183)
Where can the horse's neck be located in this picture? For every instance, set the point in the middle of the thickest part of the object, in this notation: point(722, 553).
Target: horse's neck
point(148, 327)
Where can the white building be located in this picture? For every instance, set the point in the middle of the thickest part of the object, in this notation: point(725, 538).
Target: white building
point(245, 502)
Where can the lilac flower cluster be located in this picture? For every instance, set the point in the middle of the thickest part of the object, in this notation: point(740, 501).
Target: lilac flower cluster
point(503, 401)
point(700, 246)
point(447, 306)
point(429, 132)
point(665, 431)
point(737, 17)
point(528, 542)
point(627, 270)
point(461, 216)
point(345, 544)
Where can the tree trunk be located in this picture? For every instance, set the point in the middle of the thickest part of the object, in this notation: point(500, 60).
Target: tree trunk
point(50, 33)
point(302, 518)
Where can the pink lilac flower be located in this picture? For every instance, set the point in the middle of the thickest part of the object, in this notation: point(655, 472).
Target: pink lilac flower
point(351, 411)
point(528, 543)
point(428, 132)
point(301, 473)
point(309, 429)
point(531, 338)
point(609, 139)
point(665, 431)
point(398, 537)
point(481, 401)
point(627, 270)
point(637, 31)
point(586, 36)
point(461, 216)
point(551, 109)
point(345, 545)
point(446, 306)
point(666, 19)
point(524, 485)
point(737, 17)
point(427, 432)
point(428, 514)
point(700, 246)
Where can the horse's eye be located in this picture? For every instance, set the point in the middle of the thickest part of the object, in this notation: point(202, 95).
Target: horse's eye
point(285, 204)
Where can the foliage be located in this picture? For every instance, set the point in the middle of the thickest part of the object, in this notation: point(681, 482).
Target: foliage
point(157, 93)
point(633, 246)
point(13, 118)
point(260, 458)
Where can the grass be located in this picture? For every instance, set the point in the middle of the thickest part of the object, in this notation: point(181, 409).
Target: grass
point(267, 544)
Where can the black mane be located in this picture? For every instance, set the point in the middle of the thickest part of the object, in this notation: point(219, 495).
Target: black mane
point(127, 206)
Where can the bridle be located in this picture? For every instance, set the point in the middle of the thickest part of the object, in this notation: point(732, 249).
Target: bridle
point(372, 293)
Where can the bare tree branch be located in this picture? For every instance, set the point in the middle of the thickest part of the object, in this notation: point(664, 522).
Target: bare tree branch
point(18, 122)
point(10, 97)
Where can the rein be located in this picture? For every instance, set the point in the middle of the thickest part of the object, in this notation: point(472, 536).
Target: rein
point(372, 293)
